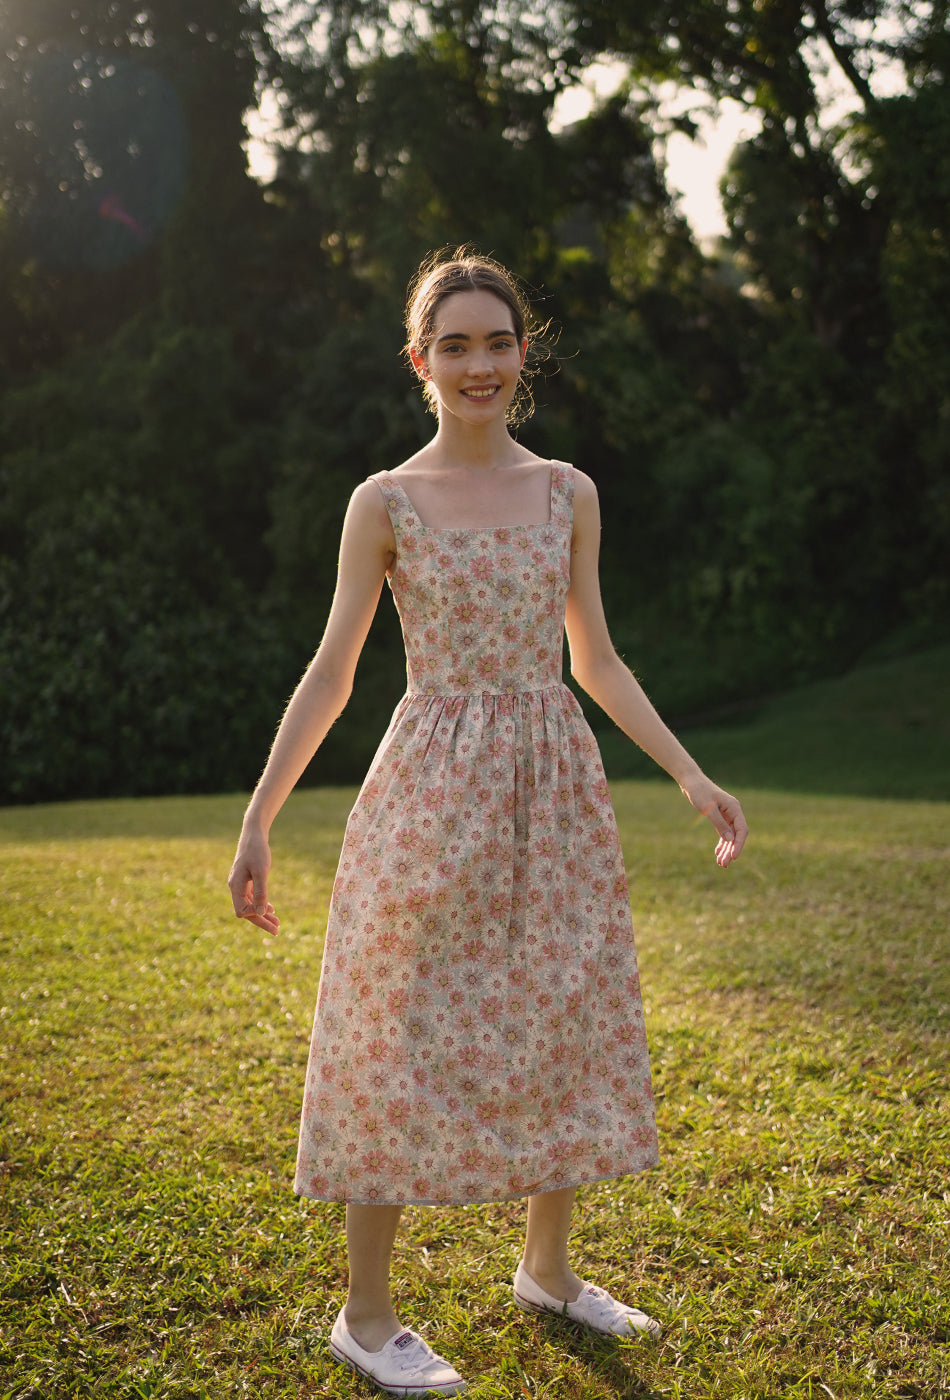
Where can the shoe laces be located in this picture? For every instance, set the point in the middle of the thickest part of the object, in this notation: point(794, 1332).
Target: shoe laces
point(601, 1302)
point(606, 1306)
point(412, 1355)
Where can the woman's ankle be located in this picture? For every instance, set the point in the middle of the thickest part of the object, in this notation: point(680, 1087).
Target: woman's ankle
point(371, 1327)
point(559, 1280)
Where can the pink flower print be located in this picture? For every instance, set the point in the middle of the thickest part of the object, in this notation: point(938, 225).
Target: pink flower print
point(489, 668)
point(503, 535)
point(416, 899)
point(374, 1161)
point(469, 1056)
point(471, 1159)
point(466, 1021)
point(474, 949)
point(465, 611)
point(498, 906)
point(482, 567)
point(376, 1049)
point(397, 1002)
point(487, 1113)
point(397, 1113)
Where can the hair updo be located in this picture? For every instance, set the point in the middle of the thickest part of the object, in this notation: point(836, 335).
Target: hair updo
point(442, 275)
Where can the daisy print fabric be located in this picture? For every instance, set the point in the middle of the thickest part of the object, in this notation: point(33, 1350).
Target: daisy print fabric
point(479, 1031)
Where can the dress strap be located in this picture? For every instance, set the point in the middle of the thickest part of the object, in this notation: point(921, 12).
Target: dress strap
point(397, 502)
point(562, 493)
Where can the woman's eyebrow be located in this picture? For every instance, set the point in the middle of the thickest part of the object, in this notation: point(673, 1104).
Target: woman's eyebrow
point(460, 335)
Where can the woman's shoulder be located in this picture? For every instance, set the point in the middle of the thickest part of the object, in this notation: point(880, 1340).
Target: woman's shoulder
point(584, 488)
point(367, 509)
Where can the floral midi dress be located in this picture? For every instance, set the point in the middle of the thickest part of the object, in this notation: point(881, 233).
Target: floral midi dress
point(479, 1031)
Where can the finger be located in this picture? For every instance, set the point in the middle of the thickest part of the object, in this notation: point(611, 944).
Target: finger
point(730, 846)
point(268, 920)
point(241, 892)
point(261, 905)
point(739, 829)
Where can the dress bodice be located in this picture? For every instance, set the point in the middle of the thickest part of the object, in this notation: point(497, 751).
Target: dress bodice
point(482, 610)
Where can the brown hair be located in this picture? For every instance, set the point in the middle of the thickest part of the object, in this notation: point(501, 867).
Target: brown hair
point(463, 270)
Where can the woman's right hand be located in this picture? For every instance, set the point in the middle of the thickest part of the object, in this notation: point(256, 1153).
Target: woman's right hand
point(248, 882)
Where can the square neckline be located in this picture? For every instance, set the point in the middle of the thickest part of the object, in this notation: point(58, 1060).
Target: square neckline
point(477, 529)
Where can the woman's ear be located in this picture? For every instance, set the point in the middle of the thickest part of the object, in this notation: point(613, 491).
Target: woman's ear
point(418, 358)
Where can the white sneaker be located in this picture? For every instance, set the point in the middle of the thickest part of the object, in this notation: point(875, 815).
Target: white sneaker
point(593, 1307)
point(406, 1365)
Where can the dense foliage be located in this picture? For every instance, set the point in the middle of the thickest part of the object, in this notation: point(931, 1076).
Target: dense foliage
point(196, 368)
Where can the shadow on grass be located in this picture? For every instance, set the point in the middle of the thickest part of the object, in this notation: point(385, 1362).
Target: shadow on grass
point(613, 1362)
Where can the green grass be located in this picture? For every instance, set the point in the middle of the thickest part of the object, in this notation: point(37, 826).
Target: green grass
point(793, 1241)
point(883, 730)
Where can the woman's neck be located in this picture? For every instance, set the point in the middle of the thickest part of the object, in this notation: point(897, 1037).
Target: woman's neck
point(461, 446)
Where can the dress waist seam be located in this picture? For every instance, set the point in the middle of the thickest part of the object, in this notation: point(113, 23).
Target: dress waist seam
point(478, 694)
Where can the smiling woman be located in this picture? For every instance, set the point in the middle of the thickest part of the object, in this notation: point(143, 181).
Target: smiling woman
point(470, 361)
point(479, 1032)
point(433, 336)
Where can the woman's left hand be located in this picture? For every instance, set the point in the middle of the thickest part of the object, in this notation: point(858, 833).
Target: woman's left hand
point(725, 813)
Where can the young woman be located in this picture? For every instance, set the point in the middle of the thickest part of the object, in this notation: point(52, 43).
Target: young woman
point(479, 1032)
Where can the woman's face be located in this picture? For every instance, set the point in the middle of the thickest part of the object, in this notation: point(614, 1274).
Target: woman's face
point(474, 358)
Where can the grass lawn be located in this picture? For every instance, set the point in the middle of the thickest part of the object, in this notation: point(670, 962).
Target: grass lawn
point(794, 1242)
point(883, 730)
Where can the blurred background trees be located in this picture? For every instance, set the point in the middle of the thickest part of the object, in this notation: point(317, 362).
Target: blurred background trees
point(197, 366)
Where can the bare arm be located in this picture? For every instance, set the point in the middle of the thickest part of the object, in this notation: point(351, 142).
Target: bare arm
point(597, 667)
point(367, 548)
